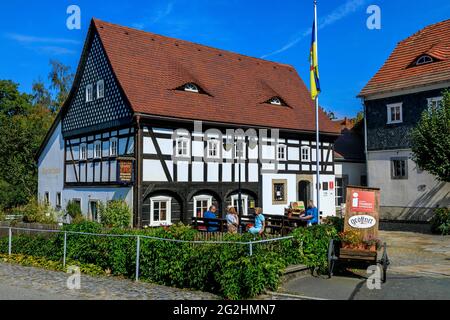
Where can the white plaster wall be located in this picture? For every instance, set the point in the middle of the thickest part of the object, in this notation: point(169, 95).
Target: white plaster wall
point(51, 167)
point(268, 206)
point(352, 170)
point(419, 190)
point(100, 194)
point(327, 198)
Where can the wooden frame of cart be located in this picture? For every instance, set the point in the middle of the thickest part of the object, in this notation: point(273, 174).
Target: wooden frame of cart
point(362, 218)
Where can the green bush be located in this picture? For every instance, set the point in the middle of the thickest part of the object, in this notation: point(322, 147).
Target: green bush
point(35, 211)
point(313, 245)
point(225, 269)
point(73, 210)
point(115, 213)
point(336, 222)
point(440, 223)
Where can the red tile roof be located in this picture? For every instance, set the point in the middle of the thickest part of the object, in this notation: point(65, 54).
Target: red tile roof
point(398, 72)
point(149, 67)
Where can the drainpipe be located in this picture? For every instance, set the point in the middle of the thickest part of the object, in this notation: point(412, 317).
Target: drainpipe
point(138, 175)
point(365, 140)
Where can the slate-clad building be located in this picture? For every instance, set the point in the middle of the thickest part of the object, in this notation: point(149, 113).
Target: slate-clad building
point(411, 80)
point(158, 121)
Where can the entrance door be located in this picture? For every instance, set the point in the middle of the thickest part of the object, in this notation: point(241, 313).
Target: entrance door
point(304, 191)
point(93, 208)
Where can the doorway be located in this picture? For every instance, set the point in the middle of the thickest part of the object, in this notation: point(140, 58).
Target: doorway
point(93, 208)
point(304, 191)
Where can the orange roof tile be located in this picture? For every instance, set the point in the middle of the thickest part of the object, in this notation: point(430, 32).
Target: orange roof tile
point(149, 67)
point(398, 72)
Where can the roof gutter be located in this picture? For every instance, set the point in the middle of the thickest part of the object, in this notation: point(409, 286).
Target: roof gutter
point(183, 120)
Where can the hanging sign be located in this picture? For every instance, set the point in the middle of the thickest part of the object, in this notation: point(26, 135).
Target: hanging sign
point(125, 170)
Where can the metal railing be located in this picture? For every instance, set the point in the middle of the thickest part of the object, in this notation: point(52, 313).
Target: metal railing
point(138, 238)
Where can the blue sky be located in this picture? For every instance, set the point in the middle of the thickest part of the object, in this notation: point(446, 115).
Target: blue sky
point(33, 32)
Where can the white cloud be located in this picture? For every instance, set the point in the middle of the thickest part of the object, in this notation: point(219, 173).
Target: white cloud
point(337, 14)
point(160, 14)
point(27, 39)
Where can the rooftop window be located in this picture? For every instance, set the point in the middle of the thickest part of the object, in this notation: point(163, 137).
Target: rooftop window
point(424, 60)
point(190, 87)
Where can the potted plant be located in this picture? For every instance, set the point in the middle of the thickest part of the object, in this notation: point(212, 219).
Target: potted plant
point(372, 243)
point(350, 239)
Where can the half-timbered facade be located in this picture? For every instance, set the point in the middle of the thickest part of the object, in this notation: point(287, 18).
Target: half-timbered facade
point(173, 127)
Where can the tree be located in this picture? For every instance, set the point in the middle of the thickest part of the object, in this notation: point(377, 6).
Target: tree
point(24, 122)
point(61, 81)
point(431, 140)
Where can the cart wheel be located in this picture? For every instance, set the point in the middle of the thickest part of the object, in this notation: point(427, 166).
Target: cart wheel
point(384, 263)
point(331, 258)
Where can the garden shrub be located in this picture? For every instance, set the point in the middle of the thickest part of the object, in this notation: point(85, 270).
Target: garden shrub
point(336, 222)
point(35, 211)
point(225, 269)
point(115, 213)
point(314, 243)
point(73, 210)
point(440, 223)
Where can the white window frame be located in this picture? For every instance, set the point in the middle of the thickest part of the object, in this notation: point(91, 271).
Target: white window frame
point(89, 93)
point(191, 87)
point(168, 220)
point(97, 143)
point(83, 151)
point(282, 146)
point(424, 60)
point(187, 149)
point(203, 197)
point(209, 148)
point(391, 106)
point(275, 101)
point(113, 152)
point(436, 100)
point(244, 198)
point(100, 89)
point(243, 151)
point(308, 149)
point(47, 197)
point(58, 200)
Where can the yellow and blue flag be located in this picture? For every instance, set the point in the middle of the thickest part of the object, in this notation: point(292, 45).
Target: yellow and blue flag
point(314, 67)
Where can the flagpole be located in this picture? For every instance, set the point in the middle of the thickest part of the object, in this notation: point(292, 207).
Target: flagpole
point(317, 121)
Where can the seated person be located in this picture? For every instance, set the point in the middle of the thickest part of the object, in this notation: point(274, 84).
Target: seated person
point(211, 214)
point(258, 228)
point(311, 215)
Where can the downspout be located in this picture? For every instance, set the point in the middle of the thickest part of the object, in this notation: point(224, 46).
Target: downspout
point(138, 175)
point(365, 141)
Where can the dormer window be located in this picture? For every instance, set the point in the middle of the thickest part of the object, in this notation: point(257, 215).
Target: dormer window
point(190, 87)
point(424, 60)
point(100, 89)
point(89, 93)
point(276, 101)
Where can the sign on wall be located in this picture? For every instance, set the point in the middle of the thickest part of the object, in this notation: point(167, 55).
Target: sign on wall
point(362, 210)
point(125, 170)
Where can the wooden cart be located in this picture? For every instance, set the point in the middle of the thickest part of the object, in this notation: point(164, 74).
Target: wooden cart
point(361, 215)
point(337, 254)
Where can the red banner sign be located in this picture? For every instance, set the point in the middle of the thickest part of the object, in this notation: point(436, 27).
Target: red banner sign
point(362, 201)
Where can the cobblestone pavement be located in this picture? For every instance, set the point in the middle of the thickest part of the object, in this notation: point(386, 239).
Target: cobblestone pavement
point(416, 253)
point(19, 282)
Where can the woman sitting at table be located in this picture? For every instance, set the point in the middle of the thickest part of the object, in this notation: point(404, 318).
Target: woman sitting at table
point(258, 228)
point(232, 220)
point(311, 215)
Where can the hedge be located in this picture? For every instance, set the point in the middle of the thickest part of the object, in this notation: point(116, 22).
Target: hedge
point(224, 269)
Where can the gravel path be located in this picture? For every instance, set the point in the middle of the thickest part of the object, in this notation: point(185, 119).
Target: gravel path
point(19, 282)
point(418, 253)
